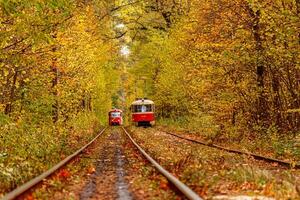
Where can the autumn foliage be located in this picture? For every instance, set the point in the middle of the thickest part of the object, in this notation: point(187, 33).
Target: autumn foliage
point(218, 65)
point(55, 57)
point(235, 62)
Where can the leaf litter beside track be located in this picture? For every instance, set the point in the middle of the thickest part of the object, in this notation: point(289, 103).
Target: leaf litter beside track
point(145, 181)
point(66, 183)
point(212, 172)
point(268, 145)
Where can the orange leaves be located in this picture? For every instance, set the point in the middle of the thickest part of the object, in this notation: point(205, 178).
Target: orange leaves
point(91, 170)
point(269, 189)
point(29, 197)
point(164, 184)
point(202, 191)
point(64, 174)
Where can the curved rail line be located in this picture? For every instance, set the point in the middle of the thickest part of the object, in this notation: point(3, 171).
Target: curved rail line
point(256, 156)
point(23, 188)
point(190, 194)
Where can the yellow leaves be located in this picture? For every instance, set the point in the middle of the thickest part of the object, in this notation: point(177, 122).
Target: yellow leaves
point(293, 110)
point(82, 55)
point(6, 73)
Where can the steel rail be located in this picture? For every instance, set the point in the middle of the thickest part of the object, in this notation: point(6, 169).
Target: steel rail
point(256, 156)
point(190, 194)
point(23, 188)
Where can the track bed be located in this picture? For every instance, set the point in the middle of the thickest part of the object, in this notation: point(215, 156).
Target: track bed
point(111, 168)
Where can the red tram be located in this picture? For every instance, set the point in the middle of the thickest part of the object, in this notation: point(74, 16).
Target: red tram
point(142, 112)
point(115, 117)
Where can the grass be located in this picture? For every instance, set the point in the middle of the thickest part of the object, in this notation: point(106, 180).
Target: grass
point(250, 174)
point(28, 148)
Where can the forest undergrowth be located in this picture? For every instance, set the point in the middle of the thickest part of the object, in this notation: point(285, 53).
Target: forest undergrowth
point(30, 148)
point(265, 141)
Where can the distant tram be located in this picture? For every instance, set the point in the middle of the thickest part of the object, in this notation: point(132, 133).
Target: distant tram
point(142, 112)
point(115, 117)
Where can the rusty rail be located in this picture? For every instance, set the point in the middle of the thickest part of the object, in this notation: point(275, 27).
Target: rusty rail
point(256, 156)
point(190, 194)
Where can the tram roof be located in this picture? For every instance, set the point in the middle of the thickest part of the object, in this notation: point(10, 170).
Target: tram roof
point(115, 110)
point(142, 102)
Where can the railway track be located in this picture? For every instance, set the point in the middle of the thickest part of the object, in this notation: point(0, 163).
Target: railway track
point(190, 194)
point(256, 156)
point(185, 190)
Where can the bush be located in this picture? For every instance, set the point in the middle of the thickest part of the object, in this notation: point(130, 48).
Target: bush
point(27, 148)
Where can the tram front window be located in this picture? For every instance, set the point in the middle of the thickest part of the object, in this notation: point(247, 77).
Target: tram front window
point(115, 114)
point(141, 108)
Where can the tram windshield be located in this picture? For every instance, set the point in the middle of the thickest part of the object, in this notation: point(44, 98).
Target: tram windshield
point(115, 114)
point(142, 108)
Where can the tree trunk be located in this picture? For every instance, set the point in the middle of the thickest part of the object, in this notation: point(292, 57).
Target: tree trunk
point(55, 106)
point(262, 106)
point(54, 70)
point(276, 99)
point(8, 106)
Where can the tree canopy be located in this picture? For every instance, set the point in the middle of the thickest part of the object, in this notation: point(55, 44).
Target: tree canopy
point(237, 61)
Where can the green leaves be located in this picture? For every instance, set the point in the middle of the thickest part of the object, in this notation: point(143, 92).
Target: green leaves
point(10, 7)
